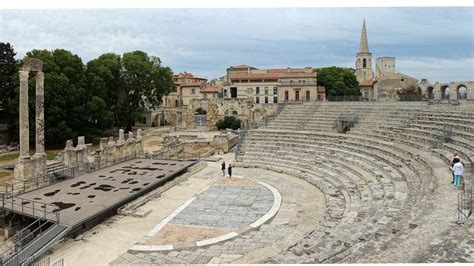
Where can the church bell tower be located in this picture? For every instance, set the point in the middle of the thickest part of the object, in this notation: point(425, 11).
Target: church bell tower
point(364, 58)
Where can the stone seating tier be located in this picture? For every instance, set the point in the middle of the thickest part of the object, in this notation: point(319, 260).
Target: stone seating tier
point(340, 237)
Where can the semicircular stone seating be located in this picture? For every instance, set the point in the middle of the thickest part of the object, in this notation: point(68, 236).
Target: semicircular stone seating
point(373, 177)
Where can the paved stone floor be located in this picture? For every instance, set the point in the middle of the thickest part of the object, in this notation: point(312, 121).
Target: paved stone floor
point(228, 205)
point(302, 206)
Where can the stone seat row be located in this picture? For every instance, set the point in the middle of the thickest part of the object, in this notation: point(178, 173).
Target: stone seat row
point(334, 229)
point(312, 246)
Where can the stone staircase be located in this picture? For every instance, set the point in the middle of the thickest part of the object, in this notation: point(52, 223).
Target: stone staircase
point(378, 179)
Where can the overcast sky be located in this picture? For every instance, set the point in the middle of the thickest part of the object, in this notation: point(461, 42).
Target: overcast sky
point(433, 43)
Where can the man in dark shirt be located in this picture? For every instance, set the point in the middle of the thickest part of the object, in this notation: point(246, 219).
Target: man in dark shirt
point(223, 168)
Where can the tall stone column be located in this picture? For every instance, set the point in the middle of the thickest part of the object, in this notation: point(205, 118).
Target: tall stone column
point(24, 126)
point(39, 113)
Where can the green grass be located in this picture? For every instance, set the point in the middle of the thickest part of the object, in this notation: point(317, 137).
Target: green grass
point(3, 174)
point(50, 155)
point(9, 157)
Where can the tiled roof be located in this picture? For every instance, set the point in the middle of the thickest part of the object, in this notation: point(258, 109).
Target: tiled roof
point(367, 83)
point(211, 89)
point(274, 75)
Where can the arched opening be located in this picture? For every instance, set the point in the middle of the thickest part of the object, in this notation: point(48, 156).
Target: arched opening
point(200, 117)
point(364, 63)
point(462, 92)
point(232, 112)
point(176, 103)
point(445, 91)
point(430, 93)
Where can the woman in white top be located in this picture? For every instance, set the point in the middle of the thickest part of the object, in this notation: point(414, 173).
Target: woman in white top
point(458, 170)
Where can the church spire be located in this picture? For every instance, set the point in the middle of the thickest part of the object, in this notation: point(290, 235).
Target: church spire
point(364, 43)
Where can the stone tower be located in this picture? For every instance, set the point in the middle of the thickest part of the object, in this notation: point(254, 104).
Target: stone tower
point(364, 58)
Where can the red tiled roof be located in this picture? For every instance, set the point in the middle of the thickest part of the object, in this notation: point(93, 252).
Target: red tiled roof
point(367, 83)
point(271, 75)
point(290, 70)
point(211, 89)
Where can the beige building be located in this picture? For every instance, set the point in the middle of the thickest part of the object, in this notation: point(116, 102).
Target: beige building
point(267, 86)
point(188, 87)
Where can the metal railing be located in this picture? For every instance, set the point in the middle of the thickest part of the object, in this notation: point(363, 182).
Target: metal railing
point(442, 135)
point(344, 123)
point(169, 155)
point(70, 171)
point(30, 207)
point(47, 215)
point(466, 197)
point(346, 98)
point(411, 97)
point(238, 147)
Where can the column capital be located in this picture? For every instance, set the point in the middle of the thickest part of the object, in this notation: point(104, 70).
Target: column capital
point(24, 74)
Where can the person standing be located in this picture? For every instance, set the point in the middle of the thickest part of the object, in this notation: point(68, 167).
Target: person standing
point(230, 170)
point(223, 168)
point(458, 171)
point(455, 160)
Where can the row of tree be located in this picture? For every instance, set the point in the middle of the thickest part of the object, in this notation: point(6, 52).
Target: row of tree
point(85, 99)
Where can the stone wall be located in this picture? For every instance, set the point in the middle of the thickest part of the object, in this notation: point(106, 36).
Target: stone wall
point(217, 109)
point(110, 151)
point(225, 142)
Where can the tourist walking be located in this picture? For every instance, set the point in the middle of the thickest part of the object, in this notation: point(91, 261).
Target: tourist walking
point(455, 160)
point(223, 168)
point(458, 171)
point(230, 170)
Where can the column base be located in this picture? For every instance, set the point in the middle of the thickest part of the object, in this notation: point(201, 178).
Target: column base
point(30, 167)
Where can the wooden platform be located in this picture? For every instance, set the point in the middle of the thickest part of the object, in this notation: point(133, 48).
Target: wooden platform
point(88, 196)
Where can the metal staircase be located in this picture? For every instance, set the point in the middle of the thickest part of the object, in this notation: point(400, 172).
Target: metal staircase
point(30, 242)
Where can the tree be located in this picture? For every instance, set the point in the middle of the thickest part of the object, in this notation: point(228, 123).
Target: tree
point(338, 81)
point(103, 80)
point(8, 69)
point(70, 111)
point(228, 122)
point(143, 84)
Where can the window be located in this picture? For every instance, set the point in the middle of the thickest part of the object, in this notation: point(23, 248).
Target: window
point(193, 91)
point(257, 99)
point(364, 63)
point(291, 81)
point(266, 90)
point(286, 96)
point(308, 95)
point(275, 90)
point(275, 99)
point(304, 81)
point(266, 99)
point(204, 96)
point(366, 93)
point(257, 90)
point(225, 93)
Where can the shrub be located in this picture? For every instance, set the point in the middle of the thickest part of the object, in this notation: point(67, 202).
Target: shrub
point(228, 122)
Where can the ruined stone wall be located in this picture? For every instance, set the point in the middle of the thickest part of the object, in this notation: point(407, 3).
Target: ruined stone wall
point(110, 151)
